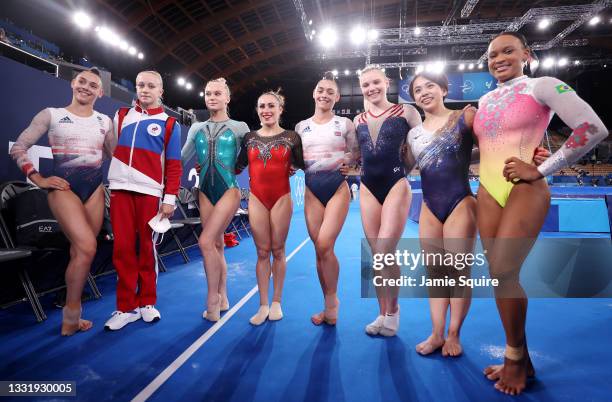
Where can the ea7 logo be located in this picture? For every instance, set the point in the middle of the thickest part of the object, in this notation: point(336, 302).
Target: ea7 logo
point(45, 229)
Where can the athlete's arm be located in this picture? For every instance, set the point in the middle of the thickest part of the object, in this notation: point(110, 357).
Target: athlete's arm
point(588, 129)
point(188, 150)
point(110, 140)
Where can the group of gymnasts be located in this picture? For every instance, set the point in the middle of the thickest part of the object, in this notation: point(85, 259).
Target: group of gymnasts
point(388, 140)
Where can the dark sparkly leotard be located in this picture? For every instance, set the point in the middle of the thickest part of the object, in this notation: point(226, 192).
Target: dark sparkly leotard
point(382, 164)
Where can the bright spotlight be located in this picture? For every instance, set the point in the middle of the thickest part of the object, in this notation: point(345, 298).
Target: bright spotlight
point(347, 72)
point(471, 66)
point(480, 66)
point(595, 20)
point(310, 22)
point(419, 69)
point(108, 36)
point(132, 50)
point(201, 94)
point(140, 56)
point(372, 34)
point(335, 72)
point(548, 62)
point(358, 36)
point(188, 86)
point(576, 62)
point(544, 23)
point(123, 45)
point(81, 19)
point(313, 33)
point(461, 66)
point(562, 62)
point(358, 72)
point(417, 31)
point(328, 37)
point(180, 81)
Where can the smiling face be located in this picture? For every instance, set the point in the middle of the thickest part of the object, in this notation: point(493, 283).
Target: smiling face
point(149, 90)
point(427, 94)
point(325, 95)
point(86, 88)
point(507, 56)
point(216, 96)
point(269, 110)
point(374, 86)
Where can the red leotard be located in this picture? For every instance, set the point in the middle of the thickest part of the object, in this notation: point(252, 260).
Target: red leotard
point(269, 159)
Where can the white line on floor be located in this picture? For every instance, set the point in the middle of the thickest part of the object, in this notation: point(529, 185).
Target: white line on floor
point(179, 361)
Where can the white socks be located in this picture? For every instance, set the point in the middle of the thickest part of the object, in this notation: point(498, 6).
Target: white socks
point(261, 316)
point(390, 324)
point(276, 313)
point(374, 327)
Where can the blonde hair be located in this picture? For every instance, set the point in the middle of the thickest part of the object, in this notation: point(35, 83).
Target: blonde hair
point(222, 81)
point(155, 73)
point(373, 67)
point(280, 98)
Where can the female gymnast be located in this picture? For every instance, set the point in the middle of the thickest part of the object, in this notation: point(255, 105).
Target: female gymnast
point(216, 143)
point(513, 198)
point(79, 137)
point(328, 143)
point(442, 147)
point(385, 193)
point(270, 153)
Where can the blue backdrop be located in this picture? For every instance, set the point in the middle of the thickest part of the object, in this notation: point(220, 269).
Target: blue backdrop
point(462, 87)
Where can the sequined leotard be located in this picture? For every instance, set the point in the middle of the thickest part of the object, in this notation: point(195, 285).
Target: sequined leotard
point(326, 147)
point(512, 119)
point(443, 158)
point(216, 145)
point(269, 159)
point(77, 143)
point(381, 139)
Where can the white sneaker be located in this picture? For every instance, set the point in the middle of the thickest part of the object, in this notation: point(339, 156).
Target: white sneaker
point(391, 324)
point(150, 313)
point(119, 319)
point(374, 327)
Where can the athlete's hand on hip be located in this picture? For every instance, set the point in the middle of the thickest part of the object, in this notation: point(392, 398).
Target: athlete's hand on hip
point(53, 182)
point(540, 155)
point(516, 170)
point(167, 210)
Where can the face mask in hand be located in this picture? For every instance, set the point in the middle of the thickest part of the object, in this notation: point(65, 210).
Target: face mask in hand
point(159, 225)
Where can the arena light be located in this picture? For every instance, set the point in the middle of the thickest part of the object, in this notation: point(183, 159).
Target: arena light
point(107, 35)
point(347, 72)
point(140, 56)
point(181, 81)
point(310, 22)
point(132, 50)
point(417, 31)
point(201, 94)
point(548, 62)
point(383, 69)
point(335, 73)
point(544, 23)
point(313, 33)
point(123, 45)
point(595, 20)
point(328, 37)
point(372, 34)
point(461, 66)
point(576, 62)
point(81, 19)
point(562, 62)
point(420, 68)
point(358, 35)
point(358, 72)
point(188, 86)
point(480, 66)
point(471, 66)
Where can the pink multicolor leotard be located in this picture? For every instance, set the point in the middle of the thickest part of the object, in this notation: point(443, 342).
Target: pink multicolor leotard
point(512, 119)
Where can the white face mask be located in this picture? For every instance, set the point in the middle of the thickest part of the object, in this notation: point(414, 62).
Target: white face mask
point(159, 225)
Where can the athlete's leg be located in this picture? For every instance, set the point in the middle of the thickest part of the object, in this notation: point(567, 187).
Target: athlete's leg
point(259, 219)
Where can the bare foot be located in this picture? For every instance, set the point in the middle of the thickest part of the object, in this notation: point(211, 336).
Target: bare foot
point(330, 314)
point(493, 372)
point(213, 311)
point(72, 322)
point(430, 345)
point(224, 302)
point(317, 319)
point(513, 376)
point(452, 346)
